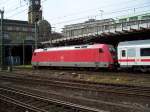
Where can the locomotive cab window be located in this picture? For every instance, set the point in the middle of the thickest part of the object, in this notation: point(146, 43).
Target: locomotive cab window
point(77, 47)
point(145, 51)
point(83, 46)
point(100, 50)
point(45, 49)
point(123, 53)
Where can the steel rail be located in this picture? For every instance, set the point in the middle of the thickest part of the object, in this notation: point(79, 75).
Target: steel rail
point(98, 102)
point(20, 104)
point(22, 78)
point(9, 91)
point(82, 85)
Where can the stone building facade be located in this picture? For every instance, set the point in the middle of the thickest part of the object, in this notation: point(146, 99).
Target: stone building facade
point(20, 36)
point(86, 27)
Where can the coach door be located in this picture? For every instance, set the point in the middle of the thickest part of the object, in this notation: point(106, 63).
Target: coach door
point(124, 57)
point(131, 56)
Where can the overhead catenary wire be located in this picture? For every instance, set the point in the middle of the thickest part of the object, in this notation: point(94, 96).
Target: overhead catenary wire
point(71, 20)
point(5, 2)
point(19, 7)
point(61, 23)
point(120, 10)
point(17, 13)
point(11, 10)
point(83, 19)
point(94, 9)
point(18, 10)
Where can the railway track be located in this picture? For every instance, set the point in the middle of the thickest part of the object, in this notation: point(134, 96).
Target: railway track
point(82, 85)
point(87, 71)
point(38, 103)
point(101, 105)
point(96, 88)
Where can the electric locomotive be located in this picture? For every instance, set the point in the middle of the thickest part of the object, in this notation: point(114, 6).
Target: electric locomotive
point(96, 55)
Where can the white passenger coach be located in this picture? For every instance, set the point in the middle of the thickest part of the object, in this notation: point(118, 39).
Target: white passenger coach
point(134, 54)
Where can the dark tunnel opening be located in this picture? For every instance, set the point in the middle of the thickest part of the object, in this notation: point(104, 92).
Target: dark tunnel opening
point(18, 55)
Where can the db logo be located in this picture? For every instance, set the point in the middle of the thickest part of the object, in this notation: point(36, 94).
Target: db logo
point(62, 58)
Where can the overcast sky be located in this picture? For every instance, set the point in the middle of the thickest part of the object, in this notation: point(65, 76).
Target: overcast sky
point(65, 12)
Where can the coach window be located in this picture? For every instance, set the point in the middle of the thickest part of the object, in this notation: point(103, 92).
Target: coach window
point(131, 52)
point(145, 51)
point(123, 53)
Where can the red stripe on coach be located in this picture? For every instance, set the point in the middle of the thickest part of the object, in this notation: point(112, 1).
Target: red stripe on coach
point(127, 60)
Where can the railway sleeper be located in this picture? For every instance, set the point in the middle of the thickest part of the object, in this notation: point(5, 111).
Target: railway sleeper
point(41, 104)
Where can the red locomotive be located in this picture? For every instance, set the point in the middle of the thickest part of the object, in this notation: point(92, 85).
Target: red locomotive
point(96, 55)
